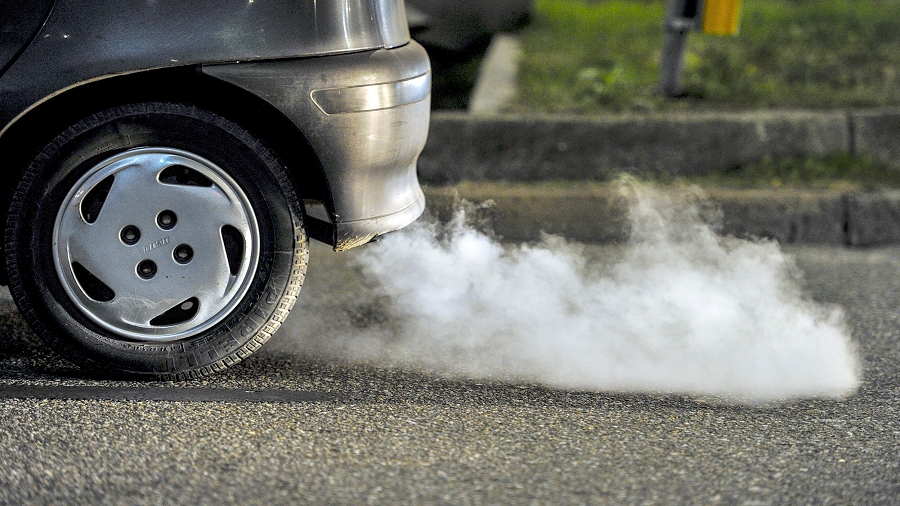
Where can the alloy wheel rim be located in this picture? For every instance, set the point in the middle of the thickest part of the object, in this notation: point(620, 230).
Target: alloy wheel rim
point(156, 244)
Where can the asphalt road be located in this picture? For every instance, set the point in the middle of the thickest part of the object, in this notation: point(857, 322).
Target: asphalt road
point(284, 428)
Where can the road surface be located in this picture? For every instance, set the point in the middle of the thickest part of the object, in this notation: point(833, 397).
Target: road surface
point(287, 428)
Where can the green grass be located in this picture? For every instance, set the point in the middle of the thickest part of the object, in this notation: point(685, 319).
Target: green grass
point(829, 172)
point(861, 173)
point(836, 171)
point(603, 56)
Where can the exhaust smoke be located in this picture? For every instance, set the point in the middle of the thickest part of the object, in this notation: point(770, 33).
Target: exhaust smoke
point(678, 309)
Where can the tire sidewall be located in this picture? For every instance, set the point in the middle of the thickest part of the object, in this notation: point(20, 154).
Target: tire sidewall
point(50, 177)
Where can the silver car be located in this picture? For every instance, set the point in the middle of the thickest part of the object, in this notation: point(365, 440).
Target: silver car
point(161, 161)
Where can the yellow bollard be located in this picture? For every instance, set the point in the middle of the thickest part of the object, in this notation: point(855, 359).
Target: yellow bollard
point(720, 17)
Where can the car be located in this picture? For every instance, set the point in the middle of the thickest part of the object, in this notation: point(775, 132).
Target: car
point(163, 164)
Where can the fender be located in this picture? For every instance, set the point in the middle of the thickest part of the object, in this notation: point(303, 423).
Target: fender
point(85, 40)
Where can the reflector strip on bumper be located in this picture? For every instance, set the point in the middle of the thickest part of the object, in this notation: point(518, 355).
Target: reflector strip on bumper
point(373, 97)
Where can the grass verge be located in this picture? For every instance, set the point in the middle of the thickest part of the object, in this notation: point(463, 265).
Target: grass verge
point(603, 55)
point(850, 172)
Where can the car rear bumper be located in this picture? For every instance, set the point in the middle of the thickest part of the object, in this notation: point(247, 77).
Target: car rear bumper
point(366, 117)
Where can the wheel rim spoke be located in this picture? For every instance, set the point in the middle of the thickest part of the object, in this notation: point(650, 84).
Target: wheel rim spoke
point(151, 280)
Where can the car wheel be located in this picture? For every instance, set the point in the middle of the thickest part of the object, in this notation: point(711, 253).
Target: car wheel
point(156, 240)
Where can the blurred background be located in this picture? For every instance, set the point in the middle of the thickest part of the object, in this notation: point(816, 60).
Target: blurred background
point(597, 56)
point(457, 36)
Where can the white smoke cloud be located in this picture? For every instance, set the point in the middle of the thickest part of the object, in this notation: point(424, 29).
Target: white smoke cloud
point(677, 309)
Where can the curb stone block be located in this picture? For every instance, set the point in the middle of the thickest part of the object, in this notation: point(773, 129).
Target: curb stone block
point(516, 148)
point(873, 218)
point(877, 134)
point(593, 213)
point(790, 217)
point(524, 213)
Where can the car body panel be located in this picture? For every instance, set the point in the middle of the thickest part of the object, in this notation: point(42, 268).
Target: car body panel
point(19, 22)
point(370, 145)
point(83, 40)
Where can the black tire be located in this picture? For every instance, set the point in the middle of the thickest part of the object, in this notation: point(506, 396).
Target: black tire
point(214, 179)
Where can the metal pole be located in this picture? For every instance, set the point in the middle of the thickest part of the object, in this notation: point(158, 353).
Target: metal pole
point(677, 27)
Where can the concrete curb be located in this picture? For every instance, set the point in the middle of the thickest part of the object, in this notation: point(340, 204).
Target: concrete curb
point(485, 149)
point(596, 212)
point(496, 85)
point(515, 148)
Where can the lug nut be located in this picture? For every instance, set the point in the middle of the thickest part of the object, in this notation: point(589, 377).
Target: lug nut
point(183, 253)
point(166, 220)
point(130, 235)
point(146, 269)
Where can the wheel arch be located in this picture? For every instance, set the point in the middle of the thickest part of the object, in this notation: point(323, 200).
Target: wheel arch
point(30, 131)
